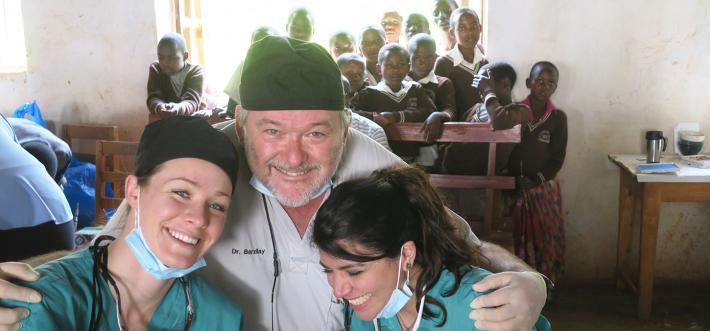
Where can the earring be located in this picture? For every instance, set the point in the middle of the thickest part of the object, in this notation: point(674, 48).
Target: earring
point(409, 265)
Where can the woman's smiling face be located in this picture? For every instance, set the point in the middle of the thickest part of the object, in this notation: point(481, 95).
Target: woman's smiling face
point(367, 286)
point(182, 209)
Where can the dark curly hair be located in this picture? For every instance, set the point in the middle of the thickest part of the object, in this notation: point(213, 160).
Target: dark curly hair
point(382, 212)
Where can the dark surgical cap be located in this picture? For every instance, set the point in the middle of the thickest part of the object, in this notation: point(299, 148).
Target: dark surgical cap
point(282, 73)
point(178, 137)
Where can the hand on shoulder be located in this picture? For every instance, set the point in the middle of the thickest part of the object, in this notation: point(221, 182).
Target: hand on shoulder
point(515, 303)
point(9, 318)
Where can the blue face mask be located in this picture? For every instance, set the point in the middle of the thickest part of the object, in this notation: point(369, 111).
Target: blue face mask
point(147, 259)
point(399, 296)
point(262, 188)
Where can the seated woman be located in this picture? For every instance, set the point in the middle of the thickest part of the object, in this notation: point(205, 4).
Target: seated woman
point(392, 253)
point(178, 196)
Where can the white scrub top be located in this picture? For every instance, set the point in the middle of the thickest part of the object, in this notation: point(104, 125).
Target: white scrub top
point(241, 262)
point(28, 196)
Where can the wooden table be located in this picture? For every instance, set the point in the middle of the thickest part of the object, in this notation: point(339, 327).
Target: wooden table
point(688, 185)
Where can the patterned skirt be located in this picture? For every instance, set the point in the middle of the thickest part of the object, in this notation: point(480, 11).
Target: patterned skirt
point(538, 228)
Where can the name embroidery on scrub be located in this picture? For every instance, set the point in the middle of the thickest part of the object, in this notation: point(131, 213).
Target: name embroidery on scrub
point(248, 251)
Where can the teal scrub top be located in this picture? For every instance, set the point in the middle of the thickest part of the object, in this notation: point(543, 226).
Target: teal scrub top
point(66, 286)
point(457, 307)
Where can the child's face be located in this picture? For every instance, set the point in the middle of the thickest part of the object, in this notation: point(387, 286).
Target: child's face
point(370, 45)
point(300, 27)
point(442, 12)
point(467, 31)
point(340, 46)
point(423, 60)
point(501, 87)
point(542, 83)
point(170, 59)
point(355, 73)
point(416, 24)
point(394, 68)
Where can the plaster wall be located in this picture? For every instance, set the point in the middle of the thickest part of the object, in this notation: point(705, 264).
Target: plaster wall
point(87, 62)
point(625, 67)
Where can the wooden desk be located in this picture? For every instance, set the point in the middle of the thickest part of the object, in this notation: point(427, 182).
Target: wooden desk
point(688, 185)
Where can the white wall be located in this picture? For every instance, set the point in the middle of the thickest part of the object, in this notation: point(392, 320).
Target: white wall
point(625, 67)
point(87, 62)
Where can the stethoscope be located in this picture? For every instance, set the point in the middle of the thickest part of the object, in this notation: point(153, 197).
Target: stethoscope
point(99, 253)
point(275, 257)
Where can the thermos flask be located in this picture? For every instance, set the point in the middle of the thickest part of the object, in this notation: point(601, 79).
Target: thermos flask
point(655, 144)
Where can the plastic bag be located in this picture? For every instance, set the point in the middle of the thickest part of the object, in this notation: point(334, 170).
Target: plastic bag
point(30, 110)
point(80, 192)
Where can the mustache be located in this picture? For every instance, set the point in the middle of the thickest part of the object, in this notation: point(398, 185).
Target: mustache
point(299, 169)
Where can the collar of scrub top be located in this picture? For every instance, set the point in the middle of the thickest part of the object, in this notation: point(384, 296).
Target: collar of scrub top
point(99, 254)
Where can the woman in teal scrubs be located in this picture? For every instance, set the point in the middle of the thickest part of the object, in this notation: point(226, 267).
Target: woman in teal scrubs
point(392, 252)
point(178, 197)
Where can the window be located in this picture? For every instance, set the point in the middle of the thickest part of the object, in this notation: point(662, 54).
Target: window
point(190, 26)
point(218, 32)
point(13, 57)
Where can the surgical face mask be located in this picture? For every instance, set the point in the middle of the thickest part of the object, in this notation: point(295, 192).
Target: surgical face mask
point(399, 296)
point(262, 188)
point(147, 259)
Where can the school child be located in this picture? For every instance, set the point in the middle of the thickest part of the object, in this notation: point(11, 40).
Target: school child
point(538, 224)
point(416, 24)
point(464, 60)
point(394, 99)
point(364, 125)
point(442, 14)
point(440, 89)
point(494, 82)
point(340, 43)
point(352, 66)
point(372, 38)
point(300, 24)
point(174, 84)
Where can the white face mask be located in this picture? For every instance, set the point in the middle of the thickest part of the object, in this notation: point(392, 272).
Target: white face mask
point(147, 259)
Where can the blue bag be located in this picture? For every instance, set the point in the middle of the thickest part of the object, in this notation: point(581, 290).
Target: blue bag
point(30, 110)
point(80, 192)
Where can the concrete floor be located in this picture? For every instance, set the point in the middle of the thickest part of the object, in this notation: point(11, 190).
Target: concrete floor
point(603, 307)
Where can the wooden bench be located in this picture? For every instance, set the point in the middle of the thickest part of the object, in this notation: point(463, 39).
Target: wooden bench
point(88, 132)
point(109, 171)
point(463, 132)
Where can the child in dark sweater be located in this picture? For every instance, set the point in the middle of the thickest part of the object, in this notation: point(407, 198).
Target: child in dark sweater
point(440, 89)
point(174, 84)
point(464, 59)
point(494, 82)
point(538, 224)
point(352, 66)
point(394, 99)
